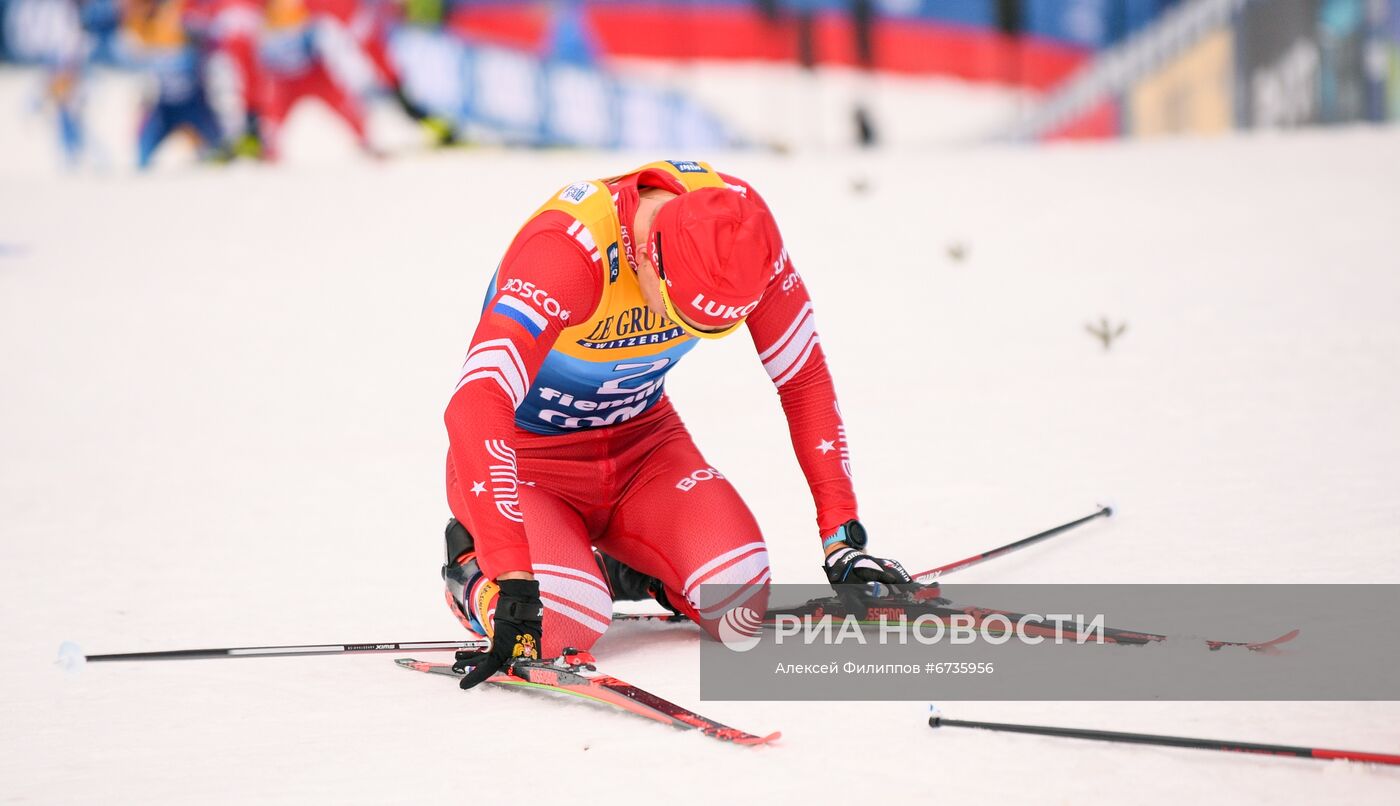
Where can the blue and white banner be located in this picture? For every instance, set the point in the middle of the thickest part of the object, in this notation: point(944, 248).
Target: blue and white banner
point(515, 97)
point(40, 31)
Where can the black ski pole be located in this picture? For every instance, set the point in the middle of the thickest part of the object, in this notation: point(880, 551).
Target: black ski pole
point(933, 574)
point(70, 655)
point(1173, 741)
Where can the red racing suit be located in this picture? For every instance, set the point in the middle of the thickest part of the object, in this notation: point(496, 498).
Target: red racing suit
point(562, 438)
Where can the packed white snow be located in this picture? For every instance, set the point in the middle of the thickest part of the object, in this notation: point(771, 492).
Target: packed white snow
point(221, 425)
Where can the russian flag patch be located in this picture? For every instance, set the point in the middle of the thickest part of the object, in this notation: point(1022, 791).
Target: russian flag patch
point(517, 309)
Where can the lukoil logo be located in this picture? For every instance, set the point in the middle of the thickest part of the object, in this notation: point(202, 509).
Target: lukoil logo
point(739, 629)
point(714, 308)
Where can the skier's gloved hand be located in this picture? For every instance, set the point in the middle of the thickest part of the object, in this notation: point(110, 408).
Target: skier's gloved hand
point(515, 631)
point(848, 564)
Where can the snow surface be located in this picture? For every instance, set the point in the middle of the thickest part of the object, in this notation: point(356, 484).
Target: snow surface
point(221, 425)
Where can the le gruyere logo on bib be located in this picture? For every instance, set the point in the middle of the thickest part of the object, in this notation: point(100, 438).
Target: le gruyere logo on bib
point(632, 327)
point(578, 191)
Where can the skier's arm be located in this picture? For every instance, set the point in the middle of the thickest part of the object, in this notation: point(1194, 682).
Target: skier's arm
point(545, 282)
point(783, 327)
point(784, 332)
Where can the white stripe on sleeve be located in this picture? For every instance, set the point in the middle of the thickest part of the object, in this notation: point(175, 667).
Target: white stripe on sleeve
point(499, 361)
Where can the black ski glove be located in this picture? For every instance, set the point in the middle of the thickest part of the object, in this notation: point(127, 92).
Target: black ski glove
point(515, 633)
point(852, 566)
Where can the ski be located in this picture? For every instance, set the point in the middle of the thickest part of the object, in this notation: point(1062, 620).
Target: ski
point(575, 675)
point(668, 618)
point(926, 603)
point(892, 609)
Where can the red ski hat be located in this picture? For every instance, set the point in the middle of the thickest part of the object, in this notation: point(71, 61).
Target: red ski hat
point(714, 249)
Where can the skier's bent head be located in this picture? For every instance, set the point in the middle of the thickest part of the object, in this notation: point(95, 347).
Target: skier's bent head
point(714, 251)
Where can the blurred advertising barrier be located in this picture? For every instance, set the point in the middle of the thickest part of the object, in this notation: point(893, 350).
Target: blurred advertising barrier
point(511, 96)
point(968, 39)
point(1193, 94)
point(1101, 121)
point(1387, 50)
point(40, 31)
point(1347, 88)
point(1113, 75)
point(498, 94)
point(1312, 61)
point(1279, 64)
point(1254, 63)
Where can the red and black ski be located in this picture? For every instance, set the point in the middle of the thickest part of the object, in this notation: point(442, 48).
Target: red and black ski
point(927, 603)
point(575, 675)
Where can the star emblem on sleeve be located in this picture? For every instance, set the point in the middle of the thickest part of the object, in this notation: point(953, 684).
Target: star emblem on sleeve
point(478, 487)
point(826, 446)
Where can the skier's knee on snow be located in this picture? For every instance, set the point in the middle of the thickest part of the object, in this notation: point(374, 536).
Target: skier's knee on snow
point(734, 580)
point(577, 608)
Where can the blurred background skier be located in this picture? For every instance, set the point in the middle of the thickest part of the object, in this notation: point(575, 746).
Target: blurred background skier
point(168, 38)
point(370, 23)
point(295, 50)
point(234, 27)
point(62, 52)
point(63, 89)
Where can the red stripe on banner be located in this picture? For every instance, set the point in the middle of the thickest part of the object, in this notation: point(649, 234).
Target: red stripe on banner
point(1098, 123)
point(715, 33)
point(974, 54)
point(910, 47)
point(522, 27)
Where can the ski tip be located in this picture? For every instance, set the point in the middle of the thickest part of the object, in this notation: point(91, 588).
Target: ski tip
point(754, 741)
point(71, 658)
point(1266, 646)
point(410, 663)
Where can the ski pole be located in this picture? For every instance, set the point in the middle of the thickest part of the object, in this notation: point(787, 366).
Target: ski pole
point(933, 574)
point(70, 655)
point(1174, 741)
